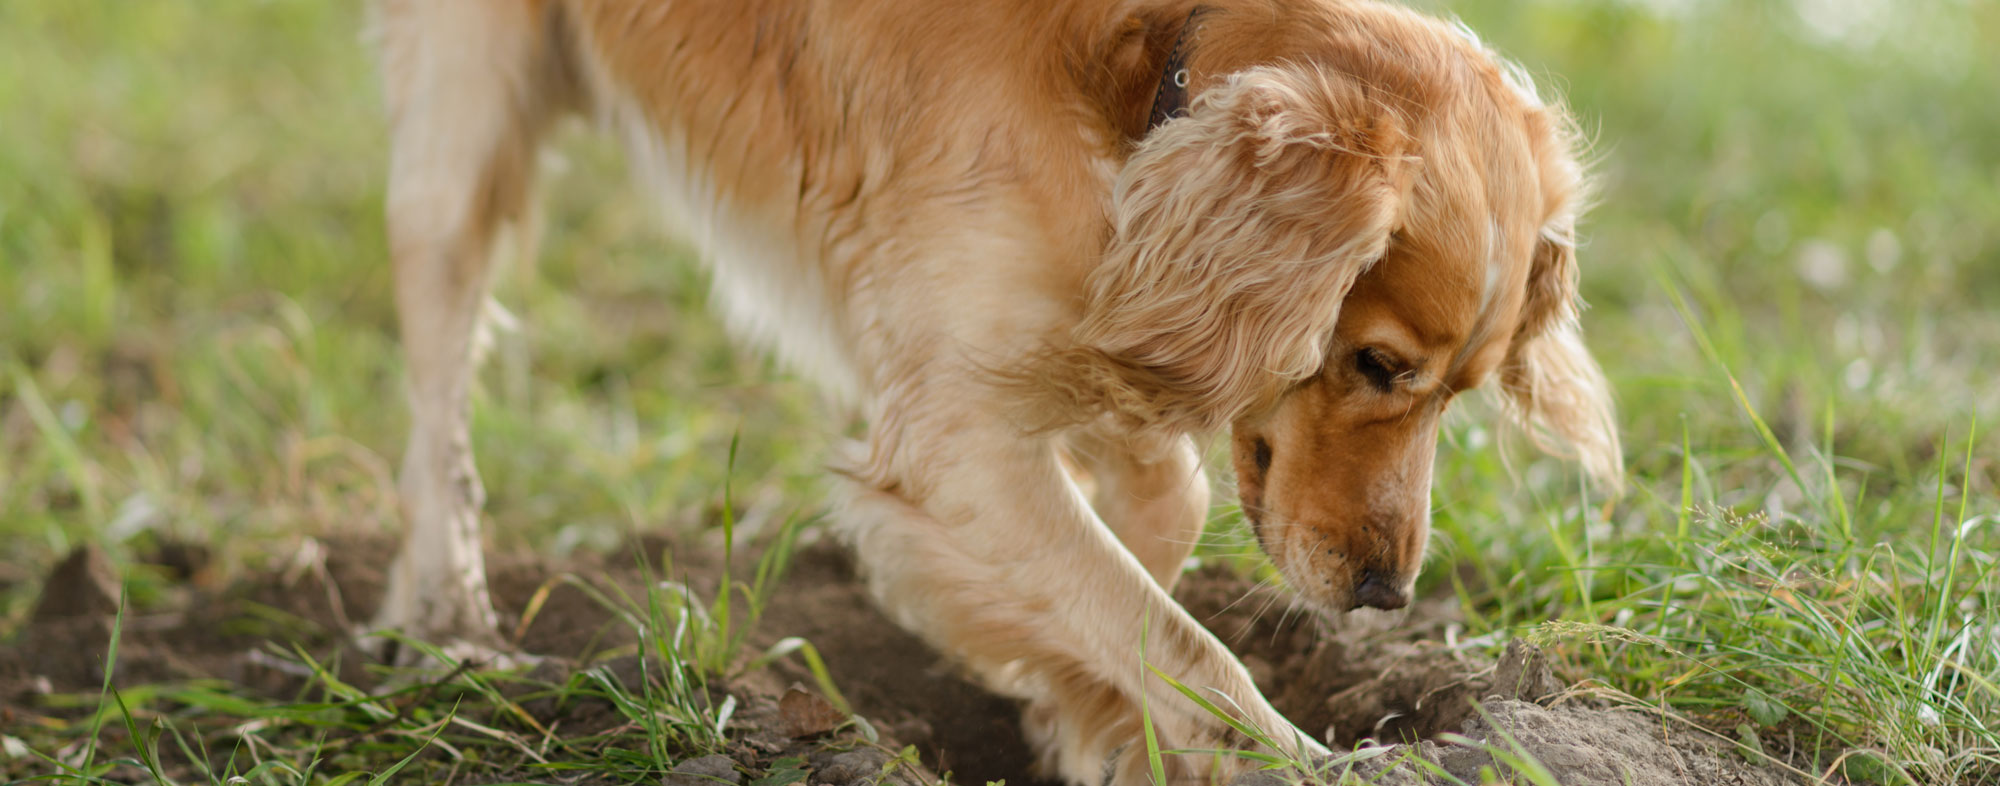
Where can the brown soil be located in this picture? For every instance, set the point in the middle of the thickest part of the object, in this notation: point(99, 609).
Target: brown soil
point(1389, 679)
point(1578, 745)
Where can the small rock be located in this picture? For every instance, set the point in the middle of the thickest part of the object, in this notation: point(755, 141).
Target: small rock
point(854, 766)
point(705, 771)
point(84, 584)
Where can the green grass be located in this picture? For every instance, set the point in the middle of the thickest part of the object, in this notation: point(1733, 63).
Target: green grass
point(1793, 270)
point(447, 719)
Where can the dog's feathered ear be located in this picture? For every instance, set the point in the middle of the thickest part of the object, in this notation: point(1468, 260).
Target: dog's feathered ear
point(1554, 386)
point(1237, 231)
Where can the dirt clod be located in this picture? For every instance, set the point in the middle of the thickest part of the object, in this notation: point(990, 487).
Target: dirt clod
point(1523, 673)
point(1342, 679)
point(850, 766)
point(802, 715)
point(866, 766)
point(62, 648)
point(705, 771)
point(84, 584)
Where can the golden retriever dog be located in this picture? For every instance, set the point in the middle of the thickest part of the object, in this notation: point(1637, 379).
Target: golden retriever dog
point(1041, 246)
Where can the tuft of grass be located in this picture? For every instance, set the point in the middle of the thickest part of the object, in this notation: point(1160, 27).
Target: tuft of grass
point(1865, 660)
point(1846, 657)
point(463, 720)
point(261, 729)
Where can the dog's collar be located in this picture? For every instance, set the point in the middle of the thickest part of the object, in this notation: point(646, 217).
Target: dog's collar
point(1170, 98)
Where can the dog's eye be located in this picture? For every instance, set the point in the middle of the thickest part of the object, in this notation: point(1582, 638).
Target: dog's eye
point(1261, 453)
point(1375, 367)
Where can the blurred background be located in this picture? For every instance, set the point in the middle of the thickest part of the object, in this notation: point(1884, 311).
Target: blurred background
point(1798, 217)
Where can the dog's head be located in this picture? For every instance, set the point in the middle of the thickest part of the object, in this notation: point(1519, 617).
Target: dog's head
point(1337, 239)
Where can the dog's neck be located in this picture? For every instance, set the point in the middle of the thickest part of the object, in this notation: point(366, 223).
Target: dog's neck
point(1170, 96)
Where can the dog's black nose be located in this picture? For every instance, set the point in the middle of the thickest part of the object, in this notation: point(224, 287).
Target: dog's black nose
point(1378, 590)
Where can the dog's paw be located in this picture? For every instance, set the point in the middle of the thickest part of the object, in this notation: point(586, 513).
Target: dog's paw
point(1081, 734)
point(438, 642)
point(1096, 737)
point(1132, 765)
point(436, 654)
point(431, 618)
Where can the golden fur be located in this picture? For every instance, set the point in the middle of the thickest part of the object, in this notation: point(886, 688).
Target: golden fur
point(955, 218)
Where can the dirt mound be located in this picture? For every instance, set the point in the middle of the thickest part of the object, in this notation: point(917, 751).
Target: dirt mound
point(1388, 678)
point(1366, 675)
point(1576, 744)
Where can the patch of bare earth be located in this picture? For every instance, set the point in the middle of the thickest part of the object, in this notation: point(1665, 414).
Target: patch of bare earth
point(1393, 680)
point(1392, 684)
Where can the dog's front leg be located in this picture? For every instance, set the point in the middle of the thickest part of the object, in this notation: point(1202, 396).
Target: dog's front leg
point(1152, 492)
point(974, 537)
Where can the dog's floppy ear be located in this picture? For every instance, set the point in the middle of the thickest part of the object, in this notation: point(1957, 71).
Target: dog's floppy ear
point(1237, 231)
point(1549, 377)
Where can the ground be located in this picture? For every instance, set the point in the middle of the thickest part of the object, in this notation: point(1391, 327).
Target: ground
point(1791, 266)
point(1395, 680)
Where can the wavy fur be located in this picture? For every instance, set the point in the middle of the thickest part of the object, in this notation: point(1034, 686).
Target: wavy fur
point(1225, 274)
point(1553, 385)
point(954, 217)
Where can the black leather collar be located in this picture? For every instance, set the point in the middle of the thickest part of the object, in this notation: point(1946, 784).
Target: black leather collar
point(1170, 98)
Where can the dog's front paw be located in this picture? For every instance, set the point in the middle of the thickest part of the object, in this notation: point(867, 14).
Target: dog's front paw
point(1095, 736)
point(1216, 761)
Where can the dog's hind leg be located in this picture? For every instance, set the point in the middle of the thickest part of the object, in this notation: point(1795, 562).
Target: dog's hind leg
point(468, 88)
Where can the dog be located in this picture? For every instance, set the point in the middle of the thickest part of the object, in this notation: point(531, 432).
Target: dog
point(1041, 246)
